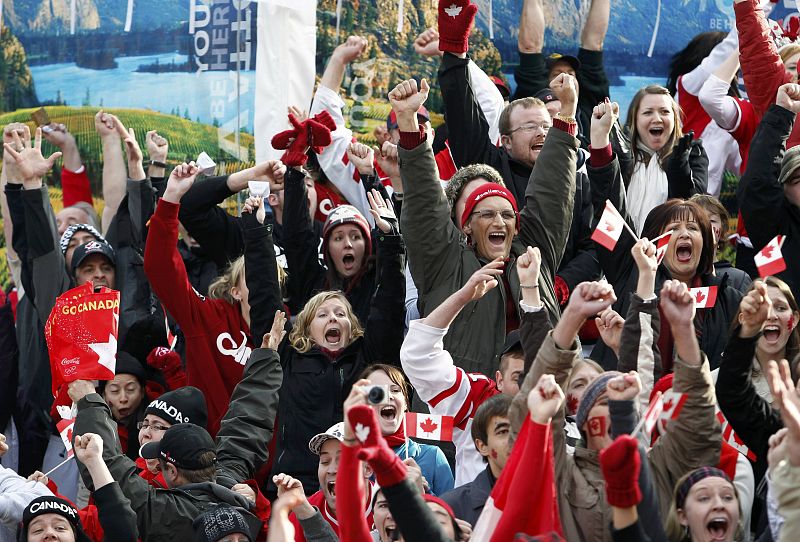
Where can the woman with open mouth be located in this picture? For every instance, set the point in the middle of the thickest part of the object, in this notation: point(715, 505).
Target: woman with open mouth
point(392, 420)
point(666, 162)
point(689, 254)
point(765, 329)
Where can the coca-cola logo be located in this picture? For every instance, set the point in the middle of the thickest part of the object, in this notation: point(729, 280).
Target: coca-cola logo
point(69, 366)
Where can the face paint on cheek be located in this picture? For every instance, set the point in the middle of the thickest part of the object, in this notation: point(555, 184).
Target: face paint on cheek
point(493, 453)
point(597, 426)
point(572, 404)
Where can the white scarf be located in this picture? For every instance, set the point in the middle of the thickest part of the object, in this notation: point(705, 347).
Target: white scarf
point(648, 188)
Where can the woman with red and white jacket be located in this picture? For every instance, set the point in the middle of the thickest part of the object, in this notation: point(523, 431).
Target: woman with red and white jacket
point(219, 329)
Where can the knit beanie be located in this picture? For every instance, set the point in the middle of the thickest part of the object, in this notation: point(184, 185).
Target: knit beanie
point(75, 228)
point(790, 163)
point(484, 191)
point(219, 522)
point(183, 405)
point(52, 505)
point(346, 214)
point(695, 476)
point(590, 396)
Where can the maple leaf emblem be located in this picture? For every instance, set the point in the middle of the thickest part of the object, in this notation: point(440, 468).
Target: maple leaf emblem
point(69, 434)
point(700, 297)
point(428, 426)
point(362, 432)
point(767, 251)
point(668, 405)
point(609, 226)
point(453, 10)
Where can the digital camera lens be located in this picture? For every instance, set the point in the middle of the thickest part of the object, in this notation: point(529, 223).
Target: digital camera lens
point(375, 395)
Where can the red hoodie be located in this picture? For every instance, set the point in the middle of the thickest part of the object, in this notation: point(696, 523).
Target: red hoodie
point(217, 337)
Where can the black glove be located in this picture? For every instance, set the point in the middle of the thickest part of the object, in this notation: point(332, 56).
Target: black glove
point(678, 169)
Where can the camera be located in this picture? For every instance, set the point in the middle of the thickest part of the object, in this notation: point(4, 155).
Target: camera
point(377, 395)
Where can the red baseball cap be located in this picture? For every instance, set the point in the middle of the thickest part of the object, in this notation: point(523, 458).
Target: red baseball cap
point(501, 85)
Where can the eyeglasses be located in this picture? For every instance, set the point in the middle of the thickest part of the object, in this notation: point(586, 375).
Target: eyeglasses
point(530, 127)
point(152, 426)
point(488, 215)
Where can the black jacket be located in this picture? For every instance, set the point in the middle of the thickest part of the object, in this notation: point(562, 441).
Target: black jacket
point(470, 144)
point(116, 516)
point(621, 271)
point(414, 519)
point(307, 274)
point(315, 386)
point(467, 501)
point(765, 210)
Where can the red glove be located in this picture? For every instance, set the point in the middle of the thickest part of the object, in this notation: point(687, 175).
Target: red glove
point(388, 468)
point(562, 291)
point(456, 18)
point(163, 359)
point(620, 463)
point(314, 132)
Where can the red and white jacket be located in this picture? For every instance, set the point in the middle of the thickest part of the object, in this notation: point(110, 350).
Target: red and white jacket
point(448, 390)
point(217, 336)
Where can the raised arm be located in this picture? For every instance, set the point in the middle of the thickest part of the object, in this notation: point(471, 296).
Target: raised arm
point(722, 108)
point(546, 219)
point(248, 425)
point(74, 181)
point(693, 439)
point(762, 67)
point(430, 235)
point(760, 195)
point(114, 174)
point(531, 74)
point(693, 81)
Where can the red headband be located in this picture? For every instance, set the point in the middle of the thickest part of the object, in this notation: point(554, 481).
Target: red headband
point(487, 190)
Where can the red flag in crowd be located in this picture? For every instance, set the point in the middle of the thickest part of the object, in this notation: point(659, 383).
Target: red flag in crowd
point(704, 297)
point(769, 259)
point(81, 335)
point(609, 228)
point(673, 404)
point(65, 428)
point(662, 243)
point(429, 426)
point(653, 413)
point(730, 436)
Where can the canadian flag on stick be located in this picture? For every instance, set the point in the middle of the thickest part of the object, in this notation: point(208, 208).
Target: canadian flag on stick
point(661, 410)
point(429, 426)
point(65, 428)
point(609, 228)
point(704, 297)
point(769, 259)
point(730, 436)
point(662, 243)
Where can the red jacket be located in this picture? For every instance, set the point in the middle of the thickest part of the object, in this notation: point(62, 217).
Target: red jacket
point(75, 187)
point(217, 337)
point(762, 67)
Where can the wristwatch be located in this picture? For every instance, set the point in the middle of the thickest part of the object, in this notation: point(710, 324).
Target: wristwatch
point(156, 163)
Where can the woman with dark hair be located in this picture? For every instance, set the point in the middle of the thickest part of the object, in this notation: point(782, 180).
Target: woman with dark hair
point(689, 257)
point(765, 329)
point(667, 163)
point(391, 419)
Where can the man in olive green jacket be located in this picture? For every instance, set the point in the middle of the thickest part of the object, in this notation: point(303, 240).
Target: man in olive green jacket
point(441, 263)
point(166, 515)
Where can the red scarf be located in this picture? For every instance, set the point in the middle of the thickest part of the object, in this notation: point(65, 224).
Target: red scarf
point(398, 438)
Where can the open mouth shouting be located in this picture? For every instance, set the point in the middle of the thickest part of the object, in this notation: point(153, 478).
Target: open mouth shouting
point(392, 532)
point(772, 333)
point(497, 239)
point(718, 527)
point(389, 413)
point(333, 336)
point(349, 262)
point(331, 487)
point(684, 251)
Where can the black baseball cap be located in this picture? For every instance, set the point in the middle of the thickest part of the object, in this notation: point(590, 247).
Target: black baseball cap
point(94, 246)
point(182, 445)
point(551, 60)
point(546, 95)
point(512, 343)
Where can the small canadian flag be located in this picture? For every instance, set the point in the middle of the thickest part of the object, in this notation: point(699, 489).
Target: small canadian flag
point(609, 228)
point(662, 243)
point(704, 297)
point(429, 426)
point(653, 413)
point(65, 428)
point(730, 436)
point(673, 404)
point(769, 259)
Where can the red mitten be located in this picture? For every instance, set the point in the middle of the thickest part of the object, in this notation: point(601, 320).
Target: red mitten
point(388, 468)
point(314, 132)
point(562, 291)
point(620, 463)
point(282, 140)
point(456, 18)
point(163, 359)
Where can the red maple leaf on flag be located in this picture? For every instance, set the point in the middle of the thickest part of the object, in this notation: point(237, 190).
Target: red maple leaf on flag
point(609, 226)
point(668, 405)
point(428, 426)
point(700, 297)
point(767, 251)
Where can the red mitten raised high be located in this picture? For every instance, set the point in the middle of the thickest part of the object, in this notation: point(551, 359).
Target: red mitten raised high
point(456, 18)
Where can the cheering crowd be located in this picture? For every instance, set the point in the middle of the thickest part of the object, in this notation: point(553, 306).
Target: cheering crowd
point(518, 326)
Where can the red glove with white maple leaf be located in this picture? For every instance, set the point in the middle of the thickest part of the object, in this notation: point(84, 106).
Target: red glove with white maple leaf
point(388, 468)
point(456, 18)
point(314, 133)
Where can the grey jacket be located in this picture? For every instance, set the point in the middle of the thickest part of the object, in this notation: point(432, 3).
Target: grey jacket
point(165, 515)
point(441, 263)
